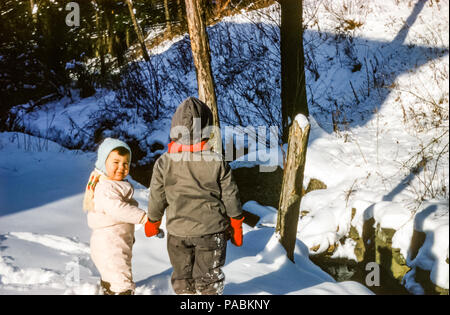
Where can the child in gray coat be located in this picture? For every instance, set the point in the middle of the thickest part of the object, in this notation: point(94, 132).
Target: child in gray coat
point(195, 188)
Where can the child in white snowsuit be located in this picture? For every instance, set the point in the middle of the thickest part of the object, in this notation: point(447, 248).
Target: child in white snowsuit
point(112, 214)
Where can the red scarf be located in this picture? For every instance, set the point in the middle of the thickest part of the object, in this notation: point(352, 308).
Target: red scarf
point(176, 147)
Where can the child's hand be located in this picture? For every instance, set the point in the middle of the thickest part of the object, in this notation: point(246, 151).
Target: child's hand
point(152, 228)
point(236, 231)
point(160, 234)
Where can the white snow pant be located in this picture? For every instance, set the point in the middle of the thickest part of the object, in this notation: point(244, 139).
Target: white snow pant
point(111, 251)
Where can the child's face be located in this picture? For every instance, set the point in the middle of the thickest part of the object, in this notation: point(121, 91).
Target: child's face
point(117, 166)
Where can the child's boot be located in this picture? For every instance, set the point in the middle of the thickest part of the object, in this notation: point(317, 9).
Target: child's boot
point(106, 289)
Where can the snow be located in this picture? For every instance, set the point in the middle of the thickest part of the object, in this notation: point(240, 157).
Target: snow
point(45, 241)
point(364, 166)
point(267, 214)
point(371, 164)
point(302, 121)
point(433, 220)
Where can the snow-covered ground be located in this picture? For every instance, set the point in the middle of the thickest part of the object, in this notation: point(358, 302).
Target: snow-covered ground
point(387, 159)
point(44, 238)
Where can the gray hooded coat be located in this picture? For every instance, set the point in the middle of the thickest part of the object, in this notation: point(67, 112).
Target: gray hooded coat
point(196, 189)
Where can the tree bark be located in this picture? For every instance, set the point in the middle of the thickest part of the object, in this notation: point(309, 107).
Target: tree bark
point(100, 44)
point(127, 38)
point(293, 85)
point(221, 5)
point(109, 33)
point(138, 31)
point(180, 14)
point(167, 15)
point(33, 11)
point(202, 60)
point(291, 190)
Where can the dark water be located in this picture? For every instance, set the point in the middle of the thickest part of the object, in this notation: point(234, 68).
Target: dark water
point(349, 270)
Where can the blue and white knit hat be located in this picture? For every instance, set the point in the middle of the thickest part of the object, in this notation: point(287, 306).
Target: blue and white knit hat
point(105, 149)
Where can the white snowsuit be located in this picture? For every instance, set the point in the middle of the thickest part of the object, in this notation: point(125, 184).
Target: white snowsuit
point(112, 222)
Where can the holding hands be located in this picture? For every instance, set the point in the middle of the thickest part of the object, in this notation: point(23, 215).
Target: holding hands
point(152, 229)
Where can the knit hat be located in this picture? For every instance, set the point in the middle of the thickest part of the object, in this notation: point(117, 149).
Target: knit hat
point(105, 149)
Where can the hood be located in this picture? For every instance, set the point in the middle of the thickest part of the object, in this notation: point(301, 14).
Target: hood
point(105, 149)
point(189, 122)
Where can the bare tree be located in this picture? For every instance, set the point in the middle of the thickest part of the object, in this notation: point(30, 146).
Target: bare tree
point(138, 31)
point(293, 85)
point(167, 14)
point(195, 12)
point(33, 10)
point(291, 189)
point(294, 109)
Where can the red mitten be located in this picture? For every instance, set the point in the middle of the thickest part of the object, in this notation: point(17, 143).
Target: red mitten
point(152, 228)
point(236, 231)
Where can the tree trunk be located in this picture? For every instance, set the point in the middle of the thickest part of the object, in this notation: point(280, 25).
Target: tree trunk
point(180, 13)
point(221, 5)
point(109, 38)
point(291, 190)
point(100, 45)
point(168, 20)
point(202, 60)
point(293, 86)
point(138, 31)
point(127, 38)
point(33, 11)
